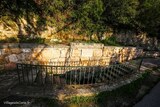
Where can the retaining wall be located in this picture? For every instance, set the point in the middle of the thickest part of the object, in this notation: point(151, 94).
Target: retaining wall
point(44, 54)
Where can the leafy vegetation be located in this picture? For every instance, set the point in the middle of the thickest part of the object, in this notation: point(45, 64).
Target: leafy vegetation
point(32, 40)
point(86, 17)
point(9, 40)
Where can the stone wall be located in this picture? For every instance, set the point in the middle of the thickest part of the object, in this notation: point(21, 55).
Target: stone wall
point(45, 54)
point(133, 39)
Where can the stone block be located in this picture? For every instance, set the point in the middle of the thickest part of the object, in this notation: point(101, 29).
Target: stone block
point(21, 57)
point(2, 60)
point(50, 53)
point(61, 59)
point(75, 52)
point(2, 52)
point(26, 50)
point(87, 53)
point(85, 63)
point(13, 58)
point(37, 50)
point(108, 51)
point(53, 60)
point(7, 51)
point(74, 59)
point(64, 53)
point(56, 53)
point(95, 58)
point(15, 50)
point(84, 58)
point(97, 53)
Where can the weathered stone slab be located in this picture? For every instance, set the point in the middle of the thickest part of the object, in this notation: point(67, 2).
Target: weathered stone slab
point(50, 53)
point(61, 59)
point(97, 53)
point(74, 59)
point(75, 52)
point(64, 53)
point(85, 58)
point(87, 53)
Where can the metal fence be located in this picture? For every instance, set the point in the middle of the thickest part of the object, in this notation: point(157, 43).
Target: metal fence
point(74, 75)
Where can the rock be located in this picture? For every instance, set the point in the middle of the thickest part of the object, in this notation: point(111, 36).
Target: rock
point(64, 53)
point(97, 53)
point(26, 50)
point(16, 50)
point(50, 53)
point(13, 58)
point(87, 53)
point(10, 66)
point(76, 52)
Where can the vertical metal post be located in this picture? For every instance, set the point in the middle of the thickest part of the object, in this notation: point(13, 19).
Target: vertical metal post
point(141, 61)
point(17, 67)
point(23, 73)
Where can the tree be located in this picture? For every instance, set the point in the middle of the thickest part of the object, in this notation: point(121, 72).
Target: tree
point(149, 17)
point(120, 13)
point(88, 17)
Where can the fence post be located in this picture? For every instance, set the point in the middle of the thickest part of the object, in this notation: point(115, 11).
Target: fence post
point(141, 61)
point(18, 72)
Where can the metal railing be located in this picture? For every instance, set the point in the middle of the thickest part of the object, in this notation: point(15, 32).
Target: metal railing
point(73, 75)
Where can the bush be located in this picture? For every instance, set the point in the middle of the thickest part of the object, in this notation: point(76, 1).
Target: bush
point(12, 40)
point(9, 40)
point(111, 41)
point(32, 40)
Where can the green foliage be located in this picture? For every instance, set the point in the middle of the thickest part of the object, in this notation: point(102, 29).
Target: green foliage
point(149, 17)
point(87, 16)
point(32, 40)
point(9, 40)
point(111, 41)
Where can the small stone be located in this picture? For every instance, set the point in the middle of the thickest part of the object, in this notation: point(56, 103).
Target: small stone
point(13, 58)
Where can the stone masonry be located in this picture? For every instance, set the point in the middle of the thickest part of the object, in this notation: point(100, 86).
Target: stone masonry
point(44, 54)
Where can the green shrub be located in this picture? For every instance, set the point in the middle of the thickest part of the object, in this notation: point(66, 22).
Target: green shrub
point(32, 40)
point(111, 41)
point(12, 40)
point(9, 40)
